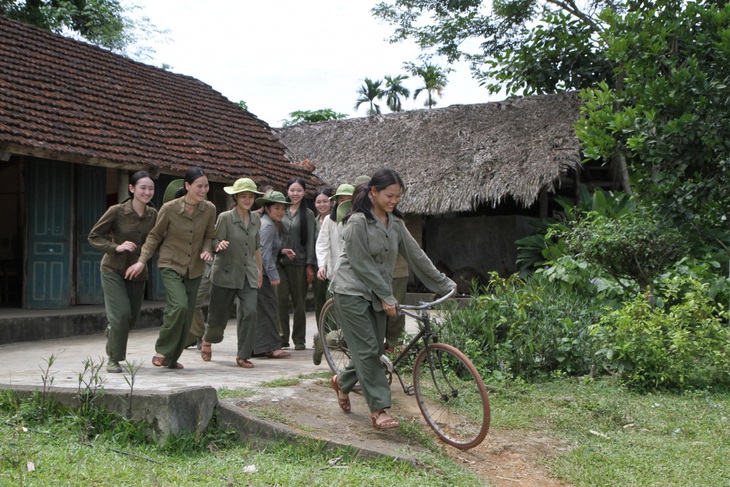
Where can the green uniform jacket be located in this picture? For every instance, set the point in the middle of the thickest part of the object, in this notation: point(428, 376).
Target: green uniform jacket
point(290, 238)
point(232, 266)
point(119, 224)
point(181, 238)
point(365, 265)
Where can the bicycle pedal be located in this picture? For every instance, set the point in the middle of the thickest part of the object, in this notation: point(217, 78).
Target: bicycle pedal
point(386, 363)
point(410, 391)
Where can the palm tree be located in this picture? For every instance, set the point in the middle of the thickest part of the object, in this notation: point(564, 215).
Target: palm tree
point(368, 93)
point(394, 90)
point(434, 79)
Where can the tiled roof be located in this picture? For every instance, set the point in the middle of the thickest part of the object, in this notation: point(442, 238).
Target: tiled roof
point(67, 100)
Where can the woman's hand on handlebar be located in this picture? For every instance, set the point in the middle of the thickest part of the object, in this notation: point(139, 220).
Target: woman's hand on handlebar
point(390, 309)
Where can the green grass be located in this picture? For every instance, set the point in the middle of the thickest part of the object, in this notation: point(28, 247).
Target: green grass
point(616, 437)
point(61, 453)
point(317, 375)
point(280, 383)
point(622, 438)
point(226, 393)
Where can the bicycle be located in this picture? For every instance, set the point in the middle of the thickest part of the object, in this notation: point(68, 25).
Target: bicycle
point(449, 391)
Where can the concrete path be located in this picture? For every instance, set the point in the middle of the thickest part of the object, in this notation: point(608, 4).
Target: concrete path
point(22, 363)
point(308, 406)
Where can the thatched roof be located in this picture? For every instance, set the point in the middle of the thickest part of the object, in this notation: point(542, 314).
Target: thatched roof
point(454, 158)
point(66, 100)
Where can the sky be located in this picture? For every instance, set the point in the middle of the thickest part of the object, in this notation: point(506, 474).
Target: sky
point(285, 55)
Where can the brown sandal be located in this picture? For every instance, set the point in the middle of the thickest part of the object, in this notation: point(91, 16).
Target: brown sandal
point(206, 352)
point(386, 423)
point(242, 362)
point(160, 361)
point(278, 354)
point(344, 403)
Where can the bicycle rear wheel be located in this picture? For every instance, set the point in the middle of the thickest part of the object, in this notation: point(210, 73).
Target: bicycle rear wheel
point(333, 341)
point(451, 395)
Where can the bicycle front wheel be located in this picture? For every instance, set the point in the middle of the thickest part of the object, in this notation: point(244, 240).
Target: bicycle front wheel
point(333, 342)
point(451, 395)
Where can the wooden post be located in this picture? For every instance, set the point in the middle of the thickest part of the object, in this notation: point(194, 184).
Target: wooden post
point(122, 184)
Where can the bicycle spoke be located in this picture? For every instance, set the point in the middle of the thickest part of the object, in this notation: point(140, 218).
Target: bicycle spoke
point(334, 346)
point(451, 396)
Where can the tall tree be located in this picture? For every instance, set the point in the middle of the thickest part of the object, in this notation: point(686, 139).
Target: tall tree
point(523, 46)
point(434, 80)
point(671, 117)
point(394, 90)
point(368, 92)
point(520, 46)
point(104, 23)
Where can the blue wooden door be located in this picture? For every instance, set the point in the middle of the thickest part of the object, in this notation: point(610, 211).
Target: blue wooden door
point(49, 206)
point(90, 205)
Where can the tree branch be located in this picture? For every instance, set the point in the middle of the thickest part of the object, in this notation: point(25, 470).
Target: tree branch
point(570, 7)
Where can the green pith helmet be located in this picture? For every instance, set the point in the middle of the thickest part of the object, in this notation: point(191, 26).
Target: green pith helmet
point(273, 197)
point(362, 179)
point(343, 190)
point(172, 189)
point(342, 210)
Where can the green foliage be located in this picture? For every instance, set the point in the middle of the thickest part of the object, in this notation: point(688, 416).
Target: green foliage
point(368, 92)
point(310, 116)
point(684, 344)
point(545, 247)
point(523, 328)
point(531, 45)
point(105, 23)
point(394, 90)
point(637, 245)
point(670, 115)
point(559, 54)
point(434, 80)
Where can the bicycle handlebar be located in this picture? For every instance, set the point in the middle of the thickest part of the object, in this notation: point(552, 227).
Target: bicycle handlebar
point(430, 304)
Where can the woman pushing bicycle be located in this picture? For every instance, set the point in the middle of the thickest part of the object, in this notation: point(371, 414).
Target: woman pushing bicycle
point(373, 235)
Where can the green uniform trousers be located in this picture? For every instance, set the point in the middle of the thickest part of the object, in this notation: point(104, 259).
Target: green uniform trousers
point(294, 284)
point(197, 327)
point(397, 324)
point(122, 301)
point(319, 290)
point(364, 330)
point(221, 303)
point(181, 293)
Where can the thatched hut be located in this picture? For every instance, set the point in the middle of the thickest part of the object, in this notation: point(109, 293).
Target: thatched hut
point(474, 171)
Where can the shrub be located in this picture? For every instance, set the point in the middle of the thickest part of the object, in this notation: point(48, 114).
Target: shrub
point(523, 327)
point(685, 344)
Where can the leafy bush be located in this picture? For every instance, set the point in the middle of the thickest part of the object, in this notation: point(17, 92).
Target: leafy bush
point(684, 344)
point(637, 245)
point(523, 327)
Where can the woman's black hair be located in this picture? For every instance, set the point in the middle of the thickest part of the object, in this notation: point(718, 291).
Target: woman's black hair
point(328, 192)
point(303, 233)
point(361, 202)
point(133, 180)
point(190, 177)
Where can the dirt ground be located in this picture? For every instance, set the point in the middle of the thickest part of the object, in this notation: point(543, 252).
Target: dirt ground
point(505, 458)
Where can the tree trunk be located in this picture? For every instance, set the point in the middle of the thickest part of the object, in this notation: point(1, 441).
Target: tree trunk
point(620, 173)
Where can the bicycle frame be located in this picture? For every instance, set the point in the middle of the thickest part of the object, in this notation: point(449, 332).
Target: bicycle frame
point(425, 333)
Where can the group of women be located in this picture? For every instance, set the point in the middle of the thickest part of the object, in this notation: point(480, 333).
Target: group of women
point(253, 255)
